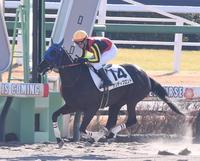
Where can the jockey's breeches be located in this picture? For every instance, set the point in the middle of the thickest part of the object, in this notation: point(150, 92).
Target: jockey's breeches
point(105, 57)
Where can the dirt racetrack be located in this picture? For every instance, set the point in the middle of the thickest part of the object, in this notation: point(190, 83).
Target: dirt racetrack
point(132, 151)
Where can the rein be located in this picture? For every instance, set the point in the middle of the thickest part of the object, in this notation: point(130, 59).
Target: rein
point(68, 65)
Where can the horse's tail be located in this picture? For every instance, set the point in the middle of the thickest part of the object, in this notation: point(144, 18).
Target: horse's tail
point(160, 91)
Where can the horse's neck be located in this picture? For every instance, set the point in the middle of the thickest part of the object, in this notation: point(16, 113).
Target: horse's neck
point(73, 75)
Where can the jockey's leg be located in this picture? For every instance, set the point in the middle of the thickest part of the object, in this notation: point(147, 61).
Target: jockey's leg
point(106, 81)
point(105, 57)
point(102, 75)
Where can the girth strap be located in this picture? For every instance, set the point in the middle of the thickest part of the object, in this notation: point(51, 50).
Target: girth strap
point(105, 97)
point(106, 92)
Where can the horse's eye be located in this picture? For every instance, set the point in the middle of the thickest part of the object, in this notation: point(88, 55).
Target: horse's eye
point(52, 54)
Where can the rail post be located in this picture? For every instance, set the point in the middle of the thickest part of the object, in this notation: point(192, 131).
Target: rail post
point(178, 49)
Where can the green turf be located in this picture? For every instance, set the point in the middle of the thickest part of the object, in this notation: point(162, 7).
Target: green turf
point(158, 60)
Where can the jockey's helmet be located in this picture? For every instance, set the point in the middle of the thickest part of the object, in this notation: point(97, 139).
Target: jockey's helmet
point(79, 36)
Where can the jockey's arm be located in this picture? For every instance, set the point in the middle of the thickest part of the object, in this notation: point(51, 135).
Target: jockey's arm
point(95, 57)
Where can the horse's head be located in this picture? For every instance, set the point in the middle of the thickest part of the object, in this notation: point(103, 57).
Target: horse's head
point(54, 57)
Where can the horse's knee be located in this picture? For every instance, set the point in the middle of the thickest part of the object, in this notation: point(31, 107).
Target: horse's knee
point(131, 122)
point(55, 116)
point(62, 110)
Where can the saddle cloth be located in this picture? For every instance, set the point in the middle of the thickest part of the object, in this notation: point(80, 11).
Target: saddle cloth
point(116, 73)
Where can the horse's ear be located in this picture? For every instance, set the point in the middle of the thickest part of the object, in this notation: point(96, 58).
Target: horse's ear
point(52, 41)
point(61, 43)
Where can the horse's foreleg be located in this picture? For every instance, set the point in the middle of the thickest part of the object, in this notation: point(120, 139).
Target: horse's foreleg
point(113, 112)
point(56, 114)
point(57, 133)
point(115, 130)
point(130, 121)
point(112, 119)
point(88, 115)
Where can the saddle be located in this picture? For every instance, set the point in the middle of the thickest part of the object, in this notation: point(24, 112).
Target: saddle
point(116, 73)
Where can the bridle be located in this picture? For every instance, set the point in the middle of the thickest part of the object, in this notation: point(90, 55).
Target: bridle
point(68, 66)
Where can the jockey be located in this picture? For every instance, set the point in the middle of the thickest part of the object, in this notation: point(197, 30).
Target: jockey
point(101, 49)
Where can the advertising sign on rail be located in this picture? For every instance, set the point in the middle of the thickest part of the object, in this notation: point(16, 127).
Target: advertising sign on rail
point(182, 92)
point(24, 89)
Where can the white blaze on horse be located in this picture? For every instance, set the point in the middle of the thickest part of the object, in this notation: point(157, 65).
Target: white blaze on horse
point(82, 93)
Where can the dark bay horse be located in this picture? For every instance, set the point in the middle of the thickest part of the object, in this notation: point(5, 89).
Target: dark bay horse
point(81, 94)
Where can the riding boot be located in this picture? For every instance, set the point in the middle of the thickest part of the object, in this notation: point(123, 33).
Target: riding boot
point(106, 81)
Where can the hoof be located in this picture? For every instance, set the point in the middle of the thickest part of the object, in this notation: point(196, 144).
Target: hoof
point(111, 138)
point(91, 140)
point(96, 136)
point(60, 143)
point(103, 140)
point(111, 135)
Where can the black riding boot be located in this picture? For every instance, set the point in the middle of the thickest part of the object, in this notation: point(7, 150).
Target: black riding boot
point(106, 81)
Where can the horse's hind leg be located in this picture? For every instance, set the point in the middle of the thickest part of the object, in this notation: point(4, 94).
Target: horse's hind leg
point(63, 110)
point(130, 121)
point(131, 115)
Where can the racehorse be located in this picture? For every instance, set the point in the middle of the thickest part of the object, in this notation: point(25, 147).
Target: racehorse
point(81, 94)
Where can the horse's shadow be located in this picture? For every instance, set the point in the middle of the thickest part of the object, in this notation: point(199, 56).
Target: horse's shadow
point(64, 157)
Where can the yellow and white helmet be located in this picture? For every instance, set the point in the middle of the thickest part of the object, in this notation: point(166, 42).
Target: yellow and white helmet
point(79, 35)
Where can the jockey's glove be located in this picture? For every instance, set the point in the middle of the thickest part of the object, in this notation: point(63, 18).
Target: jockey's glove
point(81, 60)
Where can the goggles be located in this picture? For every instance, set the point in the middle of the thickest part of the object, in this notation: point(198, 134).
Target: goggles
point(80, 43)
